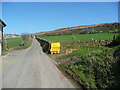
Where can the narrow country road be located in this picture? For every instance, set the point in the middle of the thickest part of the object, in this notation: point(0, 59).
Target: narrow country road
point(31, 68)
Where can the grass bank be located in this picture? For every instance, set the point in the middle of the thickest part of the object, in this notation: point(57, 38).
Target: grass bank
point(95, 69)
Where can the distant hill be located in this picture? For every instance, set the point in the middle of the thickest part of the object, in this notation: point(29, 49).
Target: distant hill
point(12, 36)
point(85, 29)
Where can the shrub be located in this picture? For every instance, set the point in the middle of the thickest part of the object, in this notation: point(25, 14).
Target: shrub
point(94, 70)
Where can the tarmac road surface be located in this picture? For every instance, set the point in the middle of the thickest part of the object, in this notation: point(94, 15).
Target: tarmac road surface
point(31, 68)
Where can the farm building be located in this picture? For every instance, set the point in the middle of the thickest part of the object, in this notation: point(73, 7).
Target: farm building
point(2, 24)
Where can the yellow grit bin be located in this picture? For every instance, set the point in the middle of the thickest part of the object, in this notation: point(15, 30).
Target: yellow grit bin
point(55, 48)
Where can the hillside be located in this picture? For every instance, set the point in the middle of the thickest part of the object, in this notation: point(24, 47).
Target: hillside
point(85, 29)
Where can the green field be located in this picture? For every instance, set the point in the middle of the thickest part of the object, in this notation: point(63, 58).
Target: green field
point(11, 43)
point(15, 43)
point(80, 37)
